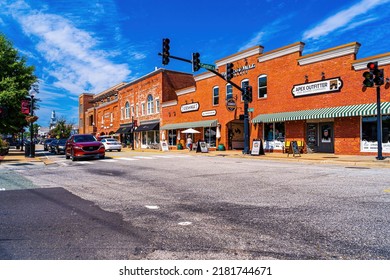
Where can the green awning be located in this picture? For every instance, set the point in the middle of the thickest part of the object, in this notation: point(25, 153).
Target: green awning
point(324, 113)
point(209, 123)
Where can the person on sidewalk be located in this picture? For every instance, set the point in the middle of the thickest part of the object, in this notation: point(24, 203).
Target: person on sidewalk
point(189, 143)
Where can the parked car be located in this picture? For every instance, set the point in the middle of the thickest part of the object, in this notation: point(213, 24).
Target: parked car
point(111, 144)
point(60, 146)
point(47, 143)
point(52, 146)
point(82, 146)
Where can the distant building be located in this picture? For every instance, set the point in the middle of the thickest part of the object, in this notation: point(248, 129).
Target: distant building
point(53, 120)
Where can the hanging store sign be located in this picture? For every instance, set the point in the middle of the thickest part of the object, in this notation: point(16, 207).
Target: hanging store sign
point(323, 86)
point(189, 107)
point(231, 105)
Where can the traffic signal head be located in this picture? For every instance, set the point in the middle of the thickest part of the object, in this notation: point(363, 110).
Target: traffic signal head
point(165, 51)
point(229, 71)
point(195, 62)
point(247, 94)
point(379, 78)
point(368, 79)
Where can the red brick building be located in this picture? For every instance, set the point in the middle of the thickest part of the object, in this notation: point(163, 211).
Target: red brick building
point(316, 99)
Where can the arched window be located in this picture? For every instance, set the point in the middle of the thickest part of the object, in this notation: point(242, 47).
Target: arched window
point(150, 104)
point(215, 95)
point(229, 91)
point(262, 93)
point(127, 110)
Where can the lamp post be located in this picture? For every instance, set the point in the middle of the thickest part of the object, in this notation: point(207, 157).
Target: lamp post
point(32, 92)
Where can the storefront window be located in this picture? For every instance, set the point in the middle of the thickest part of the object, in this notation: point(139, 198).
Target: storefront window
point(210, 134)
point(172, 137)
point(144, 137)
point(274, 134)
point(369, 134)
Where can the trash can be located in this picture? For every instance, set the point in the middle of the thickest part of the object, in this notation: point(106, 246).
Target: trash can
point(27, 149)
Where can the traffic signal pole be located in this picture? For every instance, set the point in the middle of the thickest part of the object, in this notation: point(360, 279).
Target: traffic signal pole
point(166, 55)
point(379, 122)
point(374, 77)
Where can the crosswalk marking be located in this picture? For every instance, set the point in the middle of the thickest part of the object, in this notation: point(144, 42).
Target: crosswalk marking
point(142, 157)
point(129, 159)
point(109, 160)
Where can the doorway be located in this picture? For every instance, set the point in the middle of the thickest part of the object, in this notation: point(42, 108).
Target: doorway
point(320, 137)
point(326, 138)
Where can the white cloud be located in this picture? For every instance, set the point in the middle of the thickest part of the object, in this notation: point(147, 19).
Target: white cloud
point(256, 40)
point(343, 20)
point(73, 54)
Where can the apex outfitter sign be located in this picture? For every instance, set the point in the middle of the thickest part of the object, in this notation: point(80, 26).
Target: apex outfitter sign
point(323, 86)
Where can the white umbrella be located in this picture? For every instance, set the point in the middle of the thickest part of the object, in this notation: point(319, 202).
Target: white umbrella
point(163, 136)
point(190, 130)
point(218, 133)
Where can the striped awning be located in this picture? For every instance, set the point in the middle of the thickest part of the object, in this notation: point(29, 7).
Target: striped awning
point(324, 113)
point(209, 123)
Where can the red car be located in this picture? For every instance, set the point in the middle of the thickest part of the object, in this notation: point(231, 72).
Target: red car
point(83, 146)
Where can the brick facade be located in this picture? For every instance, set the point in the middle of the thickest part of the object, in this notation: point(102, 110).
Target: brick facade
point(190, 101)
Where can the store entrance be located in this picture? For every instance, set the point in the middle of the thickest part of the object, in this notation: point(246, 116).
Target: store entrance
point(326, 143)
point(235, 135)
point(320, 137)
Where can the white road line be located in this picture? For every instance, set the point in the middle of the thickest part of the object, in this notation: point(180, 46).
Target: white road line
point(108, 160)
point(141, 157)
point(129, 159)
point(85, 162)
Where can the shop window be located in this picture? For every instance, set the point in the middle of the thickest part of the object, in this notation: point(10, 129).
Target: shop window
point(274, 134)
point(215, 95)
point(210, 134)
point(262, 93)
point(172, 137)
point(150, 104)
point(127, 110)
point(369, 134)
point(91, 120)
point(229, 91)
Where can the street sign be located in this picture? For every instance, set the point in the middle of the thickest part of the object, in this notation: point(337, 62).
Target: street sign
point(207, 66)
point(251, 109)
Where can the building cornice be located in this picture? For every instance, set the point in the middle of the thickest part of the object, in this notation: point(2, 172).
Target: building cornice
point(382, 59)
point(169, 103)
point(240, 55)
point(184, 91)
point(296, 47)
point(347, 49)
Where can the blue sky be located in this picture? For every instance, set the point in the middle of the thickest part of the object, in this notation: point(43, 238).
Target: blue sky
point(89, 46)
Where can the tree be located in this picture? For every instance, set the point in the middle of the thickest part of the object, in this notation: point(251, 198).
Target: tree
point(16, 79)
point(62, 129)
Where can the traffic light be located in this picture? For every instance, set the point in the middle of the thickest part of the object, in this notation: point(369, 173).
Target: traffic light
point(368, 79)
point(247, 94)
point(229, 71)
point(379, 77)
point(195, 62)
point(165, 51)
point(374, 76)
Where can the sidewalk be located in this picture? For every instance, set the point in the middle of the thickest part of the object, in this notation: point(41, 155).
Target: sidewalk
point(16, 156)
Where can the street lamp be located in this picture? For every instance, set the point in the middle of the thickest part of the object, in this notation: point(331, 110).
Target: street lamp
point(34, 90)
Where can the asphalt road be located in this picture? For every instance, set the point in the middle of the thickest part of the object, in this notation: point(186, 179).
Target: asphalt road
point(171, 206)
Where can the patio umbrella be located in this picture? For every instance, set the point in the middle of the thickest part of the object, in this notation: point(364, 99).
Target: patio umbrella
point(218, 133)
point(190, 130)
